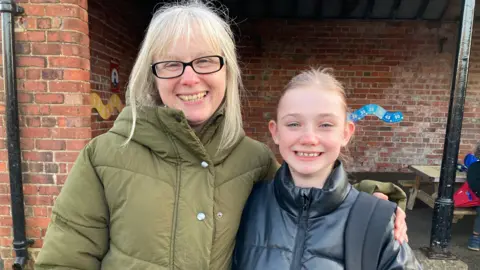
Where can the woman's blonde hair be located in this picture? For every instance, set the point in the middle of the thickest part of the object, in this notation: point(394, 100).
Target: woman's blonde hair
point(170, 23)
point(323, 80)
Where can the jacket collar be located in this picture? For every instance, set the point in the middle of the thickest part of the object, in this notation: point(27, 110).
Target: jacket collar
point(316, 202)
point(164, 130)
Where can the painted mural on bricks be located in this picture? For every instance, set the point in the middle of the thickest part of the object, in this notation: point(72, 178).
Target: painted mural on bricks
point(377, 110)
point(106, 111)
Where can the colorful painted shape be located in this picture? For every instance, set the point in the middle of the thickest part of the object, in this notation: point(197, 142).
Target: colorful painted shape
point(377, 110)
point(106, 111)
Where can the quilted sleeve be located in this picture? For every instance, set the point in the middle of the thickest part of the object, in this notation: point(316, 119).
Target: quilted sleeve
point(77, 236)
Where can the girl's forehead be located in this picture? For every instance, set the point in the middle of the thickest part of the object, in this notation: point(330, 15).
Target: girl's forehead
point(309, 99)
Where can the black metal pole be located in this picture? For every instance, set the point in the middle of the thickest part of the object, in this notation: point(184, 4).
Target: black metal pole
point(9, 9)
point(443, 208)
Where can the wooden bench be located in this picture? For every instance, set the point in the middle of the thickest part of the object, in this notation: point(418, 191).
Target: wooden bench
point(429, 199)
point(406, 183)
point(459, 213)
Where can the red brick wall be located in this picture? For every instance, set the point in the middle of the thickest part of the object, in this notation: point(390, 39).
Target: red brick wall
point(115, 33)
point(53, 74)
point(397, 65)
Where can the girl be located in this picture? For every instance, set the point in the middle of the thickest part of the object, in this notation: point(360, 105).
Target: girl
point(298, 220)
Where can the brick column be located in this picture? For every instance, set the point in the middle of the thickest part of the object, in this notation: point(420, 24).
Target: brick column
point(53, 72)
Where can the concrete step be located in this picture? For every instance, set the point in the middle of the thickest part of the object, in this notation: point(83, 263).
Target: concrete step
point(429, 264)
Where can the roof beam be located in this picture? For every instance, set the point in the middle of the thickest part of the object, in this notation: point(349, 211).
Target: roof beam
point(393, 12)
point(369, 8)
point(319, 9)
point(348, 6)
point(447, 4)
point(422, 9)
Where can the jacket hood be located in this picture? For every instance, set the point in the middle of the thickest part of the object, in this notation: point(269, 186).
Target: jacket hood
point(317, 202)
point(164, 130)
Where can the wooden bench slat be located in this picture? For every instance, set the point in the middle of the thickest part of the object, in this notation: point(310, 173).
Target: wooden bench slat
point(406, 183)
point(465, 211)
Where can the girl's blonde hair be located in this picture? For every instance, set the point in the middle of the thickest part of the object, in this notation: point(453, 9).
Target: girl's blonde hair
point(320, 78)
point(323, 80)
point(170, 23)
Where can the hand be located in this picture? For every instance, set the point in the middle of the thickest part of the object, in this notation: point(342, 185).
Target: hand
point(380, 195)
point(400, 230)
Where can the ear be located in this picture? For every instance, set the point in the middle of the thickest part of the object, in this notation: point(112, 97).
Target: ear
point(272, 126)
point(348, 132)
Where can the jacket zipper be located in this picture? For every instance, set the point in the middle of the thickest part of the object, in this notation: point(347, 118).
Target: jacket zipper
point(175, 215)
point(300, 237)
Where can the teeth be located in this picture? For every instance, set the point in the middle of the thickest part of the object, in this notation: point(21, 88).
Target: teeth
point(303, 154)
point(192, 97)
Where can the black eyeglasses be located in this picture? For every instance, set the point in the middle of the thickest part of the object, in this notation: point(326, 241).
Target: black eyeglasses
point(174, 69)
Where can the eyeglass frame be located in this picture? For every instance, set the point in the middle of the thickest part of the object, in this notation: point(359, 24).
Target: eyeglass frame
point(185, 64)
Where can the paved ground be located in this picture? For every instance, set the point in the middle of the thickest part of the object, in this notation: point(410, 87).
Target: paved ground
point(419, 225)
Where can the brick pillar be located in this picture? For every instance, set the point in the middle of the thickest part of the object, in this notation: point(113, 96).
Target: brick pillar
point(53, 72)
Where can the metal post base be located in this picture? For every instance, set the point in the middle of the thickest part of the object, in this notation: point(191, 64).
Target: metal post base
point(438, 254)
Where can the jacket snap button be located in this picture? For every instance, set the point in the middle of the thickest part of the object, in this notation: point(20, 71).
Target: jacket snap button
point(219, 214)
point(200, 216)
point(204, 164)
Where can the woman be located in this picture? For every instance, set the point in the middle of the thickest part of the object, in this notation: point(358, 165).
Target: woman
point(298, 220)
point(165, 187)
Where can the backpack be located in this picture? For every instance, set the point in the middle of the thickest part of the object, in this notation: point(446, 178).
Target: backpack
point(470, 159)
point(473, 177)
point(366, 225)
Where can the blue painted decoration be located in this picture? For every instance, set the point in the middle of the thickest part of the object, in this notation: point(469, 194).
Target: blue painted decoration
point(377, 110)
